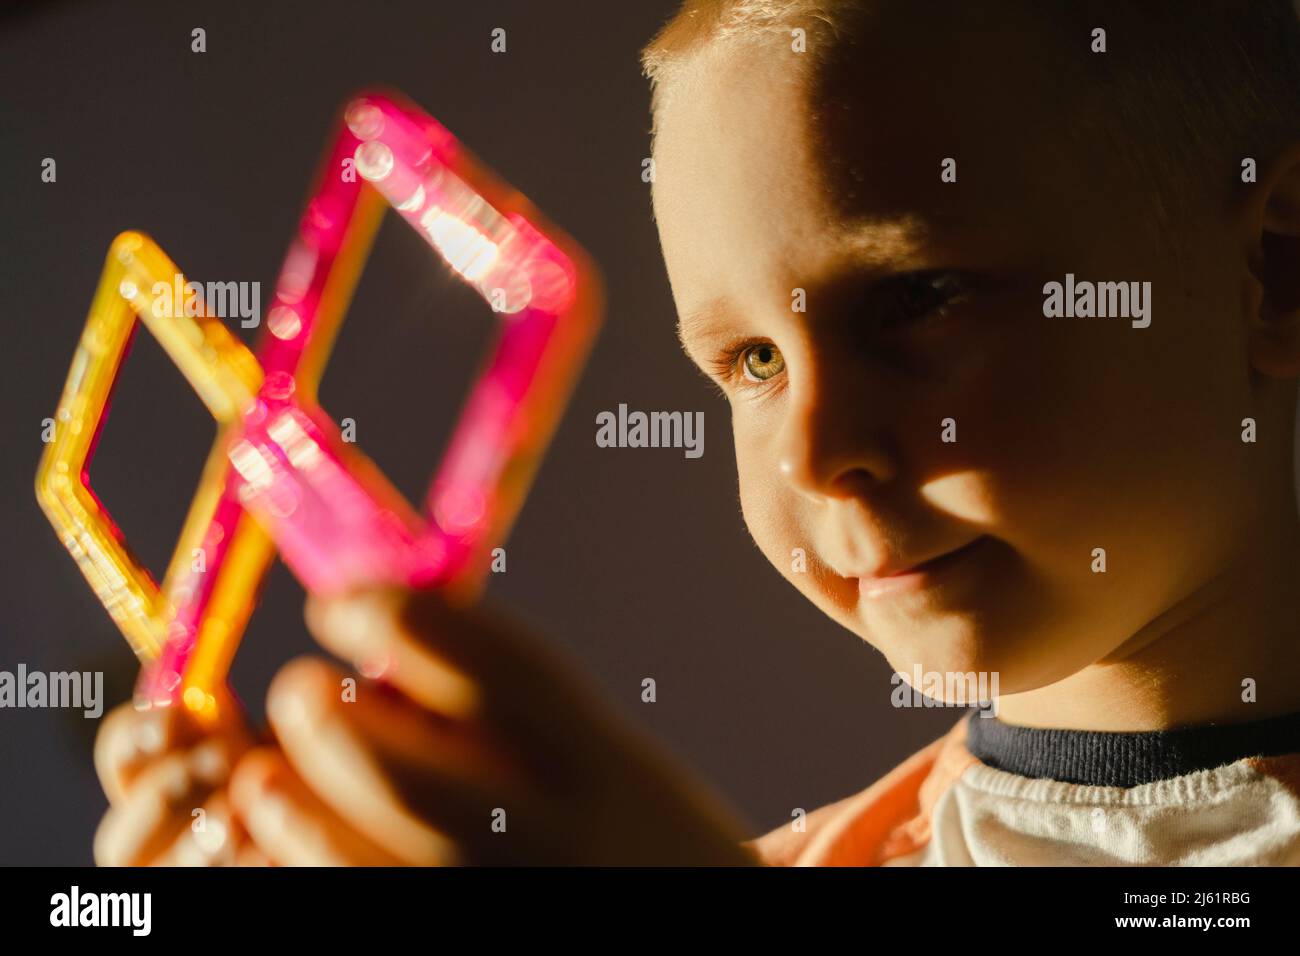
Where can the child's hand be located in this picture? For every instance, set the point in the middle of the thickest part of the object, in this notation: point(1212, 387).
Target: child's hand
point(478, 747)
point(157, 769)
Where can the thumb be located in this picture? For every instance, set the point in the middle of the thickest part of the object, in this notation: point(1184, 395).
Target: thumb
point(369, 629)
point(463, 663)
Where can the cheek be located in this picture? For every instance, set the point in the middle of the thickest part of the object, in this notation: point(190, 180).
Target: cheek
point(1103, 441)
point(778, 524)
point(763, 500)
point(770, 507)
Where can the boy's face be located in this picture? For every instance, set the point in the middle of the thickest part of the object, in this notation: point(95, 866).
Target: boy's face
point(924, 303)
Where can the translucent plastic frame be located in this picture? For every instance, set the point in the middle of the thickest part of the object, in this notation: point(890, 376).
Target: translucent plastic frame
point(278, 457)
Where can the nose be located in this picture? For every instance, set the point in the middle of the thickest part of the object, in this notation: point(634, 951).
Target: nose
point(834, 440)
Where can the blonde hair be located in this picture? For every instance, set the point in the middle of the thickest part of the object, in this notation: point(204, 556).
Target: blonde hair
point(1191, 84)
point(701, 23)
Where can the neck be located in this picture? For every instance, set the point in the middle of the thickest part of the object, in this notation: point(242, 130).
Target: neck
point(1228, 653)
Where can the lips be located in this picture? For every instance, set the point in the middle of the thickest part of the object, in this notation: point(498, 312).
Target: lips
point(917, 576)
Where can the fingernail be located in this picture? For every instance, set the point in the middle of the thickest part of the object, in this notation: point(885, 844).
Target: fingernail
point(354, 627)
point(338, 616)
point(208, 762)
point(148, 734)
point(375, 667)
point(287, 708)
point(175, 783)
point(209, 842)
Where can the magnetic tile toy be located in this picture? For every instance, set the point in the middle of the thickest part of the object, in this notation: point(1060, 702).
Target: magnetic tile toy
point(336, 521)
point(224, 374)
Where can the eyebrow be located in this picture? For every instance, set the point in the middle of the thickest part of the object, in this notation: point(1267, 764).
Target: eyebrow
point(877, 248)
point(699, 323)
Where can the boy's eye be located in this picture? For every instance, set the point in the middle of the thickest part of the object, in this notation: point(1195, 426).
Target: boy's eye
point(917, 295)
point(888, 307)
point(762, 362)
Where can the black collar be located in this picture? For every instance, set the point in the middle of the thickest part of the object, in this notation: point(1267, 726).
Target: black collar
point(1104, 759)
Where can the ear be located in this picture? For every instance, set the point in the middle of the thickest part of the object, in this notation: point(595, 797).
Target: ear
point(1275, 264)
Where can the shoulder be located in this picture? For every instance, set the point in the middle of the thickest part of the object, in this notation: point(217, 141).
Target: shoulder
point(782, 846)
point(861, 828)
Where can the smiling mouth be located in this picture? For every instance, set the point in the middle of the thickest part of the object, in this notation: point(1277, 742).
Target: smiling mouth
point(920, 576)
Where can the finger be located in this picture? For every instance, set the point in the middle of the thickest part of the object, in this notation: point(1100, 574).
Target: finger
point(403, 777)
point(160, 803)
point(129, 740)
point(368, 631)
point(289, 824)
point(458, 662)
point(212, 838)
point(249, 855)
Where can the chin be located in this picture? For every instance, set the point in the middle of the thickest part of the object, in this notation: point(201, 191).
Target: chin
point(946, 645)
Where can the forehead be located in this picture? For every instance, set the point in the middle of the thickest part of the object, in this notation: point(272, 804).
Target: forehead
point(732, 129)
point(768, 176)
